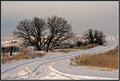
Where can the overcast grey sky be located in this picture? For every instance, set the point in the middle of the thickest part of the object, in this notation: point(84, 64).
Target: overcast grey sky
point(101, 15)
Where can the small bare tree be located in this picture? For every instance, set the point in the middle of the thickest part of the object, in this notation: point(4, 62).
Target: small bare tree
point(94, 36)
point(99, 37)
point(31, 31)
point(89, 35)
point(59, 31)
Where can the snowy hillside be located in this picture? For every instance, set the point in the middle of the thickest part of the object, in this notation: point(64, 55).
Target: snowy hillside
point(56, 66)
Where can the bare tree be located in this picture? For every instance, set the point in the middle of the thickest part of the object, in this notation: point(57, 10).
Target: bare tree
point(89, 35)
point(31, 31)
point(100, 37)
point(59, 31)
point(94, 36)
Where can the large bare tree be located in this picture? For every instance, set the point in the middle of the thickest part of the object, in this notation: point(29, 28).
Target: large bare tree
point(31, 31)
point(59, 31)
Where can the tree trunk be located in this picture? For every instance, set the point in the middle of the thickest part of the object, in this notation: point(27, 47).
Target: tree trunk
point(3, 51)
point(47, 47)
point(38, 48)
point(47, 50)
point(11, 51)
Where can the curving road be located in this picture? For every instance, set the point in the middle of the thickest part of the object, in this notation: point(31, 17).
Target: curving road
point(43, 68)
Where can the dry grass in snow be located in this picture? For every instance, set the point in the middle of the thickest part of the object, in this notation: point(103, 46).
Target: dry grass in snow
point(87, 46)
point(20, 56)
point(74, 48)
point(107, 59)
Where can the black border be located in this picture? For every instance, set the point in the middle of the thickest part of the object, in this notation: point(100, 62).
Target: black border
point(0, 38)
point(60, 0)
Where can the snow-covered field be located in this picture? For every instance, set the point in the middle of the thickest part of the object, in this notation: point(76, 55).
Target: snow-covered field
point(57, 66)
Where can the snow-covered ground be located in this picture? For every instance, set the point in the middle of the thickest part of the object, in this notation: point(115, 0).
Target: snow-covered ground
point(57, 66)
point(10, 41)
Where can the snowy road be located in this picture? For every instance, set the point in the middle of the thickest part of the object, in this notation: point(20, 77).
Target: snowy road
point(46, 67)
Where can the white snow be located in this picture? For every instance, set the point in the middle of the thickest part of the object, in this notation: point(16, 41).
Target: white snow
point(22, 73)
point(56, 66)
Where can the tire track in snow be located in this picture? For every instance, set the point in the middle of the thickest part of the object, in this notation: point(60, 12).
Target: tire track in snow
point(80, 76)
